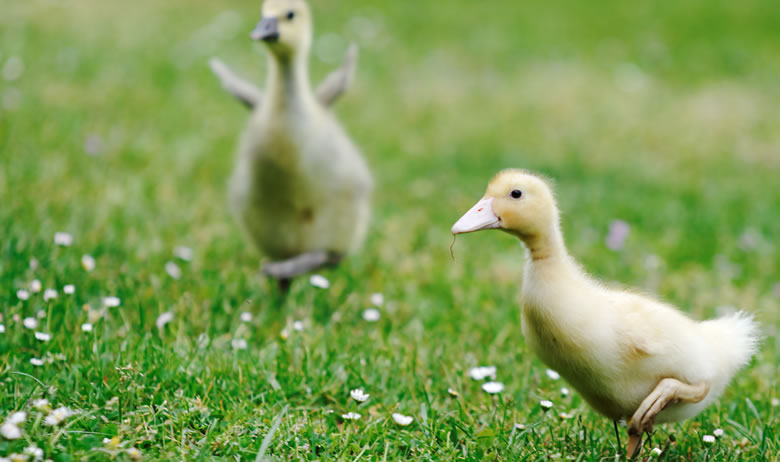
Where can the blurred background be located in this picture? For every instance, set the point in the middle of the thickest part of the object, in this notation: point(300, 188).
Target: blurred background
point(657, 121)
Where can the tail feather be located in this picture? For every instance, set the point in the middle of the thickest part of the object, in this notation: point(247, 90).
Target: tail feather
point(734, 339)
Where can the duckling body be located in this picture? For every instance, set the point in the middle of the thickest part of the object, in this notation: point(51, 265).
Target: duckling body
point(300, 188)
point(629, 356)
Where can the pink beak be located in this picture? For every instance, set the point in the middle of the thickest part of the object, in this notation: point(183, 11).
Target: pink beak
point(479, 217)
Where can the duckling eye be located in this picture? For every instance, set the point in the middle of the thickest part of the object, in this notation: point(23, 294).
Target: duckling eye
point(516, 194)
point(290, 15)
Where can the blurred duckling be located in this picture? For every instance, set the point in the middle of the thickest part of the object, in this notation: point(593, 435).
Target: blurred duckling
point(300, 188)
point(630, 357)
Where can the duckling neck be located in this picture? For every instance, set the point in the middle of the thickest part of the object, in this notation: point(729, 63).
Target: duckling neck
point(288, 82)
point(546, 246)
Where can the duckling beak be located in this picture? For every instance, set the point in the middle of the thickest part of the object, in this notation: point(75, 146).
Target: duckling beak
point(479, 217)
point(267, 30)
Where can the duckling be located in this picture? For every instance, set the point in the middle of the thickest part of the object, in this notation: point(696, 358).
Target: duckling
point(630, 356)
point(300, 188)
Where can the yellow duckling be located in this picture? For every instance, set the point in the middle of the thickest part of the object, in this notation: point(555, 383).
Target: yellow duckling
point(630, 356)
point(300, 188)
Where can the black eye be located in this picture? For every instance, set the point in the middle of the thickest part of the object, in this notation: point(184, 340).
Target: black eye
point(290, 15)
point(516, 194)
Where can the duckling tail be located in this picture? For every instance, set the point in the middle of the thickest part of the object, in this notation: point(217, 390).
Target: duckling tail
point(734, 339)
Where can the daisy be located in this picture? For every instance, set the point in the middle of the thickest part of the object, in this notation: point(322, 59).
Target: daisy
point(377, 299)
point(2, 329)
point(69, 289)
point(297, 326)
point(87, 262)
point(30, 323)
point(709, 439)
point(655, 452)
point(42, 336)
point(164, 319)
point(359, 395)
point(111, 302)
point(246, 316)
point(36, 362)
point(453, 392)
point(482, 372)
point(239, 344)
point(402, 420)
point(62, 238)
point(350, 416)
point(86, 327)
point(22, 294)
point(36, 286)
point(371, 315)
point(17, 418)
point(57, 416)
point(546, 404)
point(319, 281)
point(173, 270)
point(10, 431)
point(552, 374)
point(564, 392)
point(49, 294)
point(493, 387)
point(718, 432)
point(41, 404)
point(184, 253)
point(134, 454)
point(34, 451)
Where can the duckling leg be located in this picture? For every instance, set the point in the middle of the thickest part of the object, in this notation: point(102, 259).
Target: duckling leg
point(668, 391)
point(299, 264)
point(242, 90)
point(617, 433)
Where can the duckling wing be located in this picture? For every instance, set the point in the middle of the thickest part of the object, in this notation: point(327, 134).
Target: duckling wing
point(242, 90)
point(339, 80)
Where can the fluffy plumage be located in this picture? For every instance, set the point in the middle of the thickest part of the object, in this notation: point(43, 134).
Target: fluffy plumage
point(614, 346)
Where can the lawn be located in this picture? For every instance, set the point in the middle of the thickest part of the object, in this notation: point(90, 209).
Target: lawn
point(663, 115)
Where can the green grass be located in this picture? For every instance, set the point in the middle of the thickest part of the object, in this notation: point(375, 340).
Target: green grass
point(662, 114)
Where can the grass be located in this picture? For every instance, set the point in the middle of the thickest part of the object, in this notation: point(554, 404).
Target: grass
point(663, 115)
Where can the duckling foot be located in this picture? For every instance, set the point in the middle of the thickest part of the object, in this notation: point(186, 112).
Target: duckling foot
point(300, 264)
point(668, 391)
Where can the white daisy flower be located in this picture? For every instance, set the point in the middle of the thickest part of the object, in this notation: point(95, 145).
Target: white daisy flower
point(546, 404)
point(519, 427)
point(173, 270)
point(775, 402)
point(377, 299)
point(69, 289)
point(350, 416)
point(297, 326)
point(552, 374)
point(34, 451)
point(57, 416)
point(86, 327)
point(565, 416)
point(239, 344)
point(482, 372)
point(134, 454)
point(453, 392)
point(564, 391)
point(88, 262)
point(402, 420)
point(41, 314)
point(17, 418)
point(655, 452)
point(10, 431)
point(62, 238)
point(184, 253)
point(36, 286)
point(319, 281)
point(709, 439)
point(493, 387)
point(164, 319)
point(41, 404)
point(718, 432)
point(22, 294)
point(371, 315)
point(111, 302)
point(49, 294)
point(2, 329)
point(246, 316)
point(36, 362)
point(42, 336)
point(359, 395)
point(30, 323)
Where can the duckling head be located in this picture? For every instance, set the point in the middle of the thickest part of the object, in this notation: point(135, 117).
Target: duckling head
point(285, 27)
point(517, 202)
